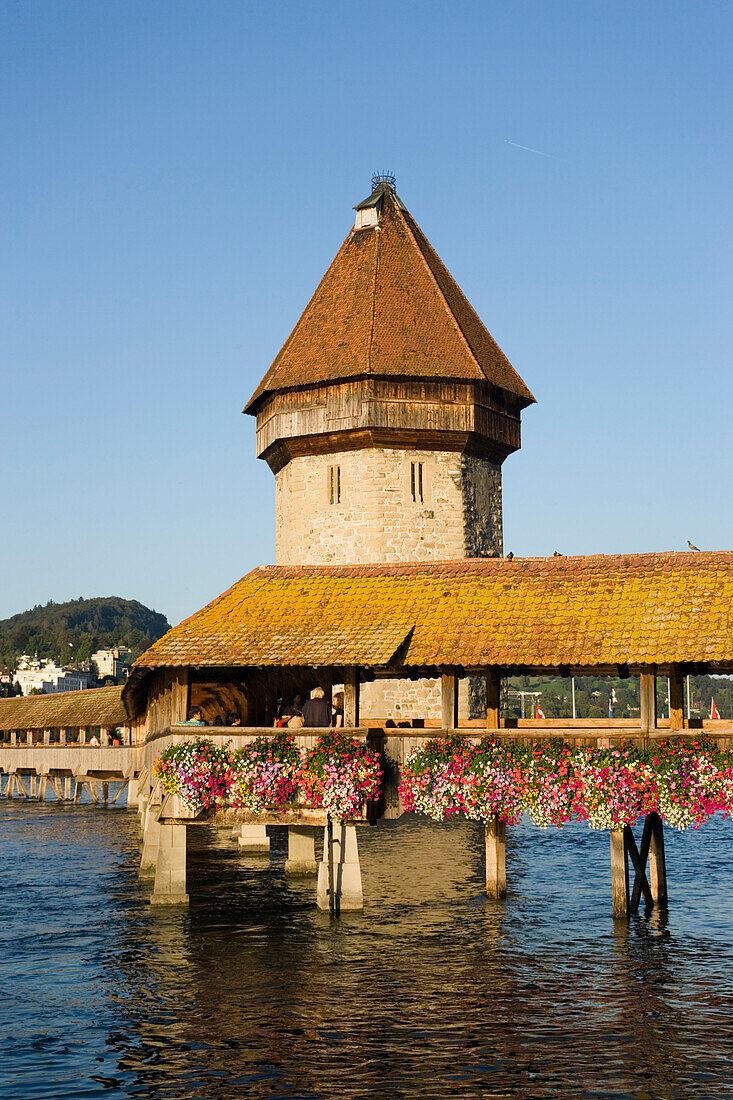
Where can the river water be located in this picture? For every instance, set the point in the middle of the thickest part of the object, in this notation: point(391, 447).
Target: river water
point(432, 992)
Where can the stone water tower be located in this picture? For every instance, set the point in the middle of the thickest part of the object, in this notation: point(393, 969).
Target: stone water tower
point(386, 416)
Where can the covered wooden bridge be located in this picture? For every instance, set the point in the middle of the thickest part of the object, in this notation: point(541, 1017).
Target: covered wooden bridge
point(68, 743)
point(281, 631)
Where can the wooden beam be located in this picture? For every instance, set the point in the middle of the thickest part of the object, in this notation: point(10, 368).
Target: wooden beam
point(179, 695)
point(493, 693)
point(495, 858)
point(676, 698)
point(351, 697)
point(648, 700)
point(638, 857)
point(449, 700)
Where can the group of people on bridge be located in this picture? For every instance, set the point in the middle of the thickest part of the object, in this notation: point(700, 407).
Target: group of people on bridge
point(315, 712)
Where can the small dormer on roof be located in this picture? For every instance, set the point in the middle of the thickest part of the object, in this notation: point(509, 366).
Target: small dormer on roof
point(368, 211)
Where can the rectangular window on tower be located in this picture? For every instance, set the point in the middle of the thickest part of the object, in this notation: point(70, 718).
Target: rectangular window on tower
point(334, 484)
point(416, 482)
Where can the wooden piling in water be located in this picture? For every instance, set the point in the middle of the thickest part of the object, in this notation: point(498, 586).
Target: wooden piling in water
point(495, 858)
point(619, 874)
point(652, 887)
point(657, 862)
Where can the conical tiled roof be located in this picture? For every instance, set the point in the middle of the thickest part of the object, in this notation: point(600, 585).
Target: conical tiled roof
point(388, 307)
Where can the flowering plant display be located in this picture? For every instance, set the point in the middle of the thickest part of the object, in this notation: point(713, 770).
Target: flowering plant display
point(685, 781)
point(337, 774)
point(340, 774)
point(265, 773)
point(197, 771)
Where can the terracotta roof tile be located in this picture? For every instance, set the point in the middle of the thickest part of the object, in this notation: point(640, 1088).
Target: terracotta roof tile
point(584, 611)
point(388, 306)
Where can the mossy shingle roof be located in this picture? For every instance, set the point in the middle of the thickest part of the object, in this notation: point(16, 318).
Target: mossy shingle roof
point(388, 306)
point(635, 609)
point(64, 710)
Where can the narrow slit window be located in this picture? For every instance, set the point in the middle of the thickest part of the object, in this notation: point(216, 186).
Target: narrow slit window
point(416, 482)
point(334, 484)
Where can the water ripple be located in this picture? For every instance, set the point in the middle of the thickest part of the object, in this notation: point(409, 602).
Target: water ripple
point(433, 992)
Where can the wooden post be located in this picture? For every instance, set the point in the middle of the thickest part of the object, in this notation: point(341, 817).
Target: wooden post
point(351, 697)
point(619, 874)
point(62, 736)
point(676, 698)
point(657, 864)
point(495, 858)
point(449, 700)
point(179, 696)
point(331, 879)
point(13, 737)
point(493, 691)
point(648, 701)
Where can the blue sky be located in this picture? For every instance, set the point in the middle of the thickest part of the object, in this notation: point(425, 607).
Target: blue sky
point(176, 177)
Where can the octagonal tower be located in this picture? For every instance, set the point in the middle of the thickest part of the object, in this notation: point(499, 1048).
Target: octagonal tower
point(389, 410)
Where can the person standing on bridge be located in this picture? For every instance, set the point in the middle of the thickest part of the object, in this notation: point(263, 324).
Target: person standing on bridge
point(316, 710)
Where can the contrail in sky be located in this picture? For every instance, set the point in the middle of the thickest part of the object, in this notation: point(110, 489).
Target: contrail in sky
point(529, 150)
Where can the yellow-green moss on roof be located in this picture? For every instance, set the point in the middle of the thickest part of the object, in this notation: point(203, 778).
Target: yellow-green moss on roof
point(636, 609)
point(64, 710)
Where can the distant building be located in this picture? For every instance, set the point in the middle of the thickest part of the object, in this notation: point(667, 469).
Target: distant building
point(48, 677)
point(112, 662)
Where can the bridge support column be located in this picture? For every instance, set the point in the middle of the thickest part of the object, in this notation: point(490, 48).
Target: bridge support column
point(253, 840)
point(170, 867)
point(301, 852)
point(151, 836)
point(347, 887)
point(495, 858)
point(132, 796)
point(41, 787)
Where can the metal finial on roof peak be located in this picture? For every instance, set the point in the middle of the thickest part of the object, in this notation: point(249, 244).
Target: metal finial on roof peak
point(384, 177)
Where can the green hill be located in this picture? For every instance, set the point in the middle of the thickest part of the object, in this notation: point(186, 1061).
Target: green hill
point(73, 631)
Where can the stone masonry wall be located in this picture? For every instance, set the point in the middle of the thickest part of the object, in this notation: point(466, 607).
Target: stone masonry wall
point(376, 519)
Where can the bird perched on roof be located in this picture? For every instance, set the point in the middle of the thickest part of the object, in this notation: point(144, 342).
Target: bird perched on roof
point(557, 554)
point(693, 547)
point(509, 556)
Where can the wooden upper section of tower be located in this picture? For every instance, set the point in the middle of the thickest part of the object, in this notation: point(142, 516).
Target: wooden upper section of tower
point(388, 352)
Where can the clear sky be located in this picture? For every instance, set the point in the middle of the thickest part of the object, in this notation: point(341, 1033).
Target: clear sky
point(175, 178)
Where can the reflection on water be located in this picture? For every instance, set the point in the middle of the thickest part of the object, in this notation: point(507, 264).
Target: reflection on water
point(433, 992)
